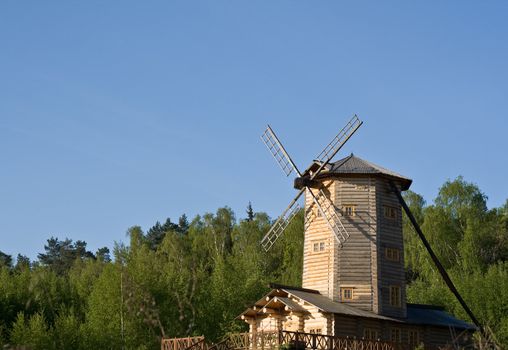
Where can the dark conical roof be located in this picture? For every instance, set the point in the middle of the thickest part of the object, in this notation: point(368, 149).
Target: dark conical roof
point(355, 165)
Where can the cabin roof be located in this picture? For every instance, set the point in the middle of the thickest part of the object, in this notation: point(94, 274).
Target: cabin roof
point(355, 165)
point(434, 315)
point(290, 304)
point(417, 314)
point(327, 305)
point(283, 294)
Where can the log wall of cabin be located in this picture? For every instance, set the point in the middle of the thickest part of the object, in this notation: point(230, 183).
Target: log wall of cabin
point(345, 326)
point(316, 320)
point(436, 336)
point(267, 324)
point(355, 264)
point(291, 322)
point(389, 236)
point(351, 326)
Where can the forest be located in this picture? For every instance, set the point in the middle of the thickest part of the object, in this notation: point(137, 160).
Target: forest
point(194, 277)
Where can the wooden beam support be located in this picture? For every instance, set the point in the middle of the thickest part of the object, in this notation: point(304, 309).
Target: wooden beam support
point(435, 259)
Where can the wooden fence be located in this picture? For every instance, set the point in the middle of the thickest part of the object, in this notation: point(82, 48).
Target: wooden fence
point(303, 341)
point(284, 339)
point(196, 343)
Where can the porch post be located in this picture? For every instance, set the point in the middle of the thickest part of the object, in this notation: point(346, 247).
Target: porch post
point(301, 323)
point(254, 332)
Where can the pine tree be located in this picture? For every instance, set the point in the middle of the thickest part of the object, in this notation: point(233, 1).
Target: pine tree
point(183, 224)
point(250, 212)
point(5, 260)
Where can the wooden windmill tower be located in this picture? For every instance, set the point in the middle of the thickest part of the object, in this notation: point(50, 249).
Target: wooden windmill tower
point(353, 250)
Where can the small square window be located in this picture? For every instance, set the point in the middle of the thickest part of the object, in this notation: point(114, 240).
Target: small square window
point(392, 254)
point(390, 212)
point(395, 335)
point(395, 297)
point(413, 337)
point(348, 210)
point(346, 293)
point(318, 246)
point(370, 334)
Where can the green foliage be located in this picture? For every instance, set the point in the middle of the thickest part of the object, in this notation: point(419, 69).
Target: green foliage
point(195, 278)
point(67, 333)
point(5, 260)
point(103, 316)
point(35, 333)
point(472, 243)
point(60, 255)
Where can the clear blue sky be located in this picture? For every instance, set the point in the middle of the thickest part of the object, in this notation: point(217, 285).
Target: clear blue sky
point(115, 114)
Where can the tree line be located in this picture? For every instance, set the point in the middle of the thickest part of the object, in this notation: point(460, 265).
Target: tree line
point(194, 278)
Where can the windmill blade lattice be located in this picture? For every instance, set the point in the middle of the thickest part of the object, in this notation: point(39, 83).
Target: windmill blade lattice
point(325, 206)
point(336, 144)
point(282, 222)
point(328, 211)
point(279, 152)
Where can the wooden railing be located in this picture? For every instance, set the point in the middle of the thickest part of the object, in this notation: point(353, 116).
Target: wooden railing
point(286, 339)
point(327, 342)
point(194, 343)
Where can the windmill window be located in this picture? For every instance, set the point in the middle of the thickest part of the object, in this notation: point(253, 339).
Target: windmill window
point(346, 293)
point(318, 247)
point(349, 210)
point(395, 335)
point(390, 212)
point(413, 337)
point(392, 254)
point(370, 334)
point(395, 297)
point(362, 187)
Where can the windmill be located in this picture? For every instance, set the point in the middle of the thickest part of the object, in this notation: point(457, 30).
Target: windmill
point(307, 181)
point(311, 182)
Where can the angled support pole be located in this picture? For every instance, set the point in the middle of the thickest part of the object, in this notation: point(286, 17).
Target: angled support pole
point(435, 259)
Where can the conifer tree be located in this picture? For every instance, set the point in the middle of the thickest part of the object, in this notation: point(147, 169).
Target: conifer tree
point(250, 212)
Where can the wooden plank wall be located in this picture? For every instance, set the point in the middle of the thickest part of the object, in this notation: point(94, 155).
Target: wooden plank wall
point(349, 326)
point(390, 236)
point(361, 262)
point(317, 266)
point(345, 326)
point(354, 261)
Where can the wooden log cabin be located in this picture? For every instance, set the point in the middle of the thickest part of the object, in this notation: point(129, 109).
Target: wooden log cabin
point(357, 288)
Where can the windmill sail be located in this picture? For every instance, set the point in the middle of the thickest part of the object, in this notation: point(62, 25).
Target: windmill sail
point(336, 144)
point(324, 204)
point(279, 152)
point(328, 211)
point(282, 222)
